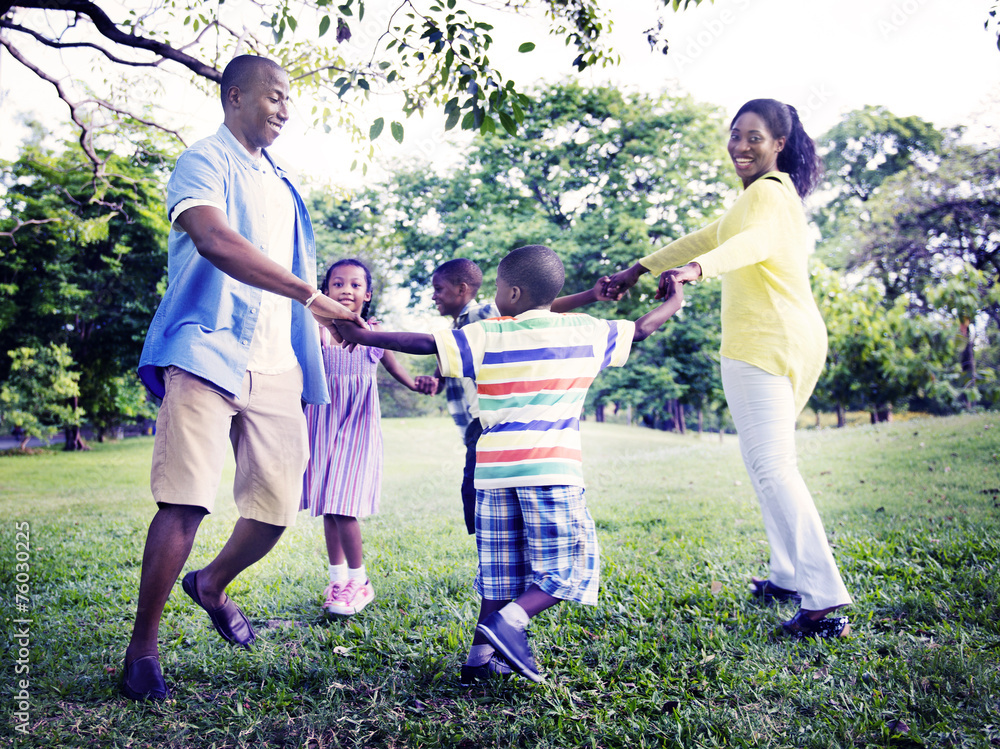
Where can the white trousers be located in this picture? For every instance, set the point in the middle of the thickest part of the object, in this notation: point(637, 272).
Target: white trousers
point(763, 410)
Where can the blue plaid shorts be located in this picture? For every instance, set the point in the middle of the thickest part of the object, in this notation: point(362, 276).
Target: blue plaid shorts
point(541, 535)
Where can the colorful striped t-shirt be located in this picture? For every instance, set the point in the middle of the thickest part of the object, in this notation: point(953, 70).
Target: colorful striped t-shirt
point(532, 374)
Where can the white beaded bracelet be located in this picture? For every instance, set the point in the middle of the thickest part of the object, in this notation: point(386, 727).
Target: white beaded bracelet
point(312, 299)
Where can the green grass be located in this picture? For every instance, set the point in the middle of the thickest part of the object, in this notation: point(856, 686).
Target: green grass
point(674, 655)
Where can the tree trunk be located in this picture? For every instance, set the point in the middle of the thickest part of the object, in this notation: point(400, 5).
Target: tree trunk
point(677, 410)
point(968, 361)
point(701, 421)
point(599, 413)
point(74, 440)
point(881, 414)
point(841, 416)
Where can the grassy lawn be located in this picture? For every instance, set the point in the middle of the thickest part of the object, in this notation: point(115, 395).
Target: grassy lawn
point(674, 655)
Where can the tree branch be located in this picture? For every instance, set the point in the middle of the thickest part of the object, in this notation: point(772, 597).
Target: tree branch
point(73, 45)
point(85, 128)
point(109, 30)
point(19, 224)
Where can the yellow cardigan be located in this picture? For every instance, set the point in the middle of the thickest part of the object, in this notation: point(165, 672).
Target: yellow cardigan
point(760, 248)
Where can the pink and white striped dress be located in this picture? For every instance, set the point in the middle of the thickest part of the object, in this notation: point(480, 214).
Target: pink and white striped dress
point(344, 475)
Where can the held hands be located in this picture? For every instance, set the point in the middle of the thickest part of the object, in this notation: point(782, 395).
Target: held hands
point(616, 285)
point(426, 384)
point(671, 280)
point(327, 312)
point(671, 290)
point(601, 290)
point(350, 331)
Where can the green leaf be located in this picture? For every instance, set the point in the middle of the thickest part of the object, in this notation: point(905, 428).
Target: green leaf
point(376, 129)
point(397, 132)
point(508, 123)
point(452, 120)
point(345, 9)
point(324, 25)
point(526, 47)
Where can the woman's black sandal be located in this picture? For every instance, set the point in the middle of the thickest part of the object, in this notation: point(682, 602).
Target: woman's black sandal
point(766, 592)
point(801, 627)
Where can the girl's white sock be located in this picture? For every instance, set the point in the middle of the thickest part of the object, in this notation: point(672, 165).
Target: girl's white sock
point(360, 573)
point(338, 573)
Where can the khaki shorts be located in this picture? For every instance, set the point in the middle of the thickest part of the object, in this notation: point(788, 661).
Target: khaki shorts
point(266, 428)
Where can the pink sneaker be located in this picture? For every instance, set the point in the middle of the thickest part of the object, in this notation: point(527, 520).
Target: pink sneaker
point(352, 598)
point(331, 594)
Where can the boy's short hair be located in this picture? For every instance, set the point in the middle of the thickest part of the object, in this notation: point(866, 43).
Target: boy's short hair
point(461, 270)
point(536, 270)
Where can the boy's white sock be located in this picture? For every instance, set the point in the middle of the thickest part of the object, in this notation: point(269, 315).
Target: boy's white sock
point(479, 654)
point(338, 573)
point(360, 573)
point(515, 616)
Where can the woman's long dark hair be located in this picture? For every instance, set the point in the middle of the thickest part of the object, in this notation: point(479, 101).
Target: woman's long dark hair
point(798, 158)
point(325, 286)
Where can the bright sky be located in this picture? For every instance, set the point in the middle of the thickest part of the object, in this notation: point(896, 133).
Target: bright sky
point(929, 58)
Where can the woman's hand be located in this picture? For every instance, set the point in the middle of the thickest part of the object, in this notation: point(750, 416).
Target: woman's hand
point(685, 274)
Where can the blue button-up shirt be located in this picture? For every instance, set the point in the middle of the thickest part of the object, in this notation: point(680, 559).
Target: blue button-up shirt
point(206, 319)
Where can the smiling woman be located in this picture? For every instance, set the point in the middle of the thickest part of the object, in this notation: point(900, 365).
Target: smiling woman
point(773, 345)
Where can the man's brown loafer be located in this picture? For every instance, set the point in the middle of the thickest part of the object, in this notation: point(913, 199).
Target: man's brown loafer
point(228, 620)
point(144, 680)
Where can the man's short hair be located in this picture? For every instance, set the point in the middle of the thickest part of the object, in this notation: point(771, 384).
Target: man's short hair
point(536, 270)
point(244, 70)
point(461, 270)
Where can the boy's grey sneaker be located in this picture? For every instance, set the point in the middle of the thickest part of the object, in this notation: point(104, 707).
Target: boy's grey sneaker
point(495, 666)
point(512, 644)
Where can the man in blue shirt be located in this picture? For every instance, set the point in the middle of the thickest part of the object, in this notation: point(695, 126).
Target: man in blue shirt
point(232, 351)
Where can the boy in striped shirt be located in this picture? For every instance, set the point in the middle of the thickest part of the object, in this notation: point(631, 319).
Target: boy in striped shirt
point(535, 537)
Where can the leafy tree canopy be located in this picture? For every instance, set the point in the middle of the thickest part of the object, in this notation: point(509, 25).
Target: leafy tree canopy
point(117, 59)
point(35, 399)
point(81, 269)
point(863, 150)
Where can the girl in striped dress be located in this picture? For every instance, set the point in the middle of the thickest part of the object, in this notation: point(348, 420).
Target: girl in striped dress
point(343, 480)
